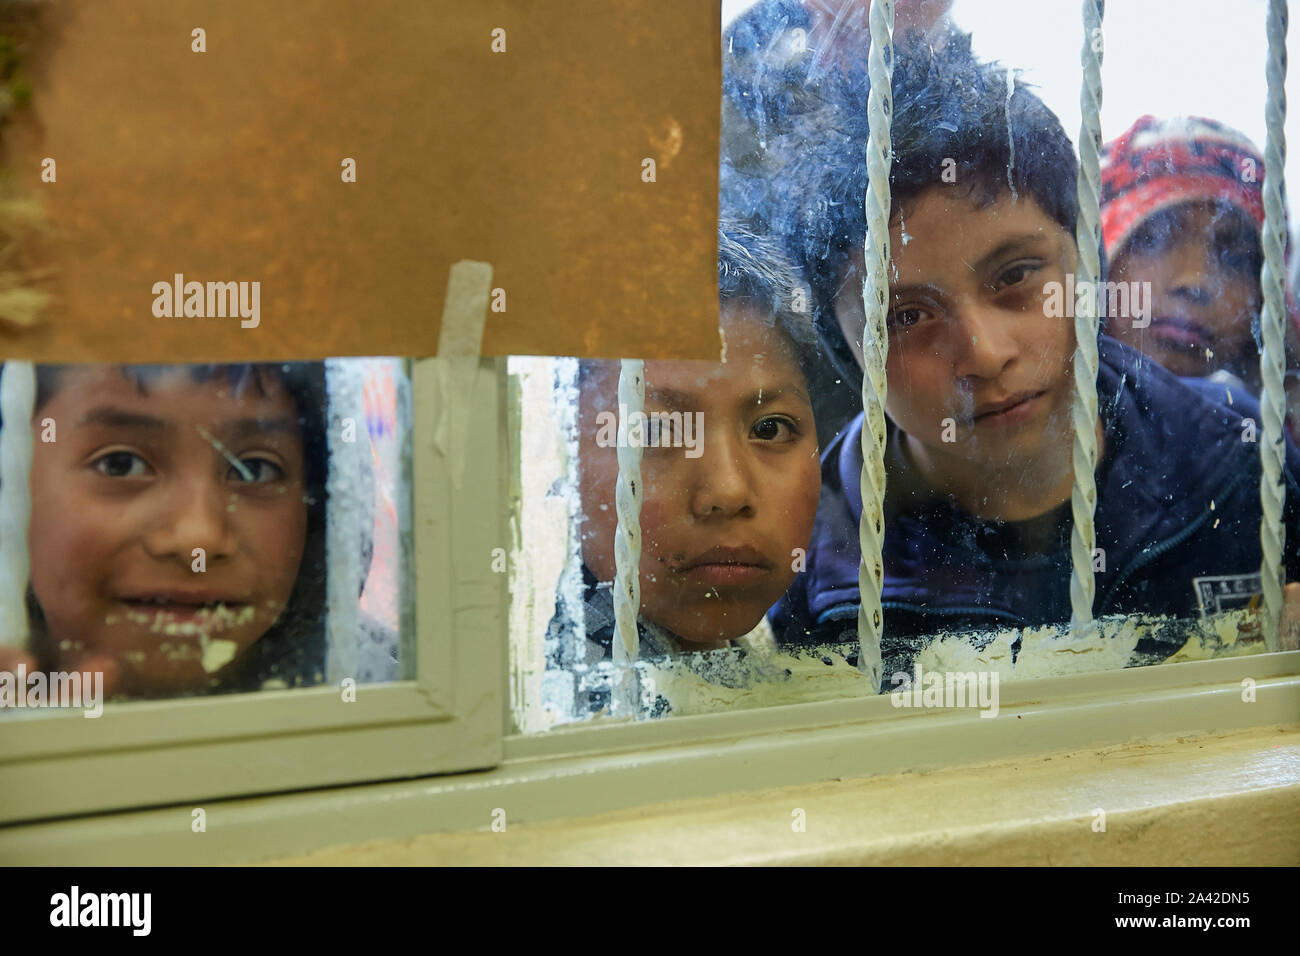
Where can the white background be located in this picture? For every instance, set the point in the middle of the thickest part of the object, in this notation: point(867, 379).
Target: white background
point(1164, 57)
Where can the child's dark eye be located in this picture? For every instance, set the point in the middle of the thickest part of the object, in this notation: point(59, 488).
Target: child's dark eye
point(775, 429)
point(1149, 240)
point(1237, 259)
point(904, 318)
point(260, 471)
point(1016, 274)
point(121, 464)
point(1144, 243)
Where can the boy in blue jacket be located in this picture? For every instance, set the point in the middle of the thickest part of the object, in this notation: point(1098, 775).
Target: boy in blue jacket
point(980, 372)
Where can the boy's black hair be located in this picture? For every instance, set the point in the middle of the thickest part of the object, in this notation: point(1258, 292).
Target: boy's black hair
point(766, 83)
point(951, 111)
point(293, 650)
point(753, 267)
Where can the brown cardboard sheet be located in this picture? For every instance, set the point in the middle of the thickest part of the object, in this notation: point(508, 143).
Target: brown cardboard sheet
point(226, 166)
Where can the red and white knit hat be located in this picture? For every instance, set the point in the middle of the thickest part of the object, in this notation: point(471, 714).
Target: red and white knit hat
point(1157, 164)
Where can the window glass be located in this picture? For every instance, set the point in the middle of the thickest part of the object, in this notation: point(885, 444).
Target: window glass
point(980, 354)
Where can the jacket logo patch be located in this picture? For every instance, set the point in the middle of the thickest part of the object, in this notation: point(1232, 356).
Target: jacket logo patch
point(1226, 592)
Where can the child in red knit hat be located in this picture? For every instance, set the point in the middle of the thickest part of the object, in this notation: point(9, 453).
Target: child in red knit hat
point(1182, 208)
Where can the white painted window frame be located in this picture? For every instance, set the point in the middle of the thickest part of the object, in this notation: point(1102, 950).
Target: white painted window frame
point(290, 741)
point(448, 718)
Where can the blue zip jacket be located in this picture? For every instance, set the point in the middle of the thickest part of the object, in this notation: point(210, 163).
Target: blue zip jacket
point(1178, 513)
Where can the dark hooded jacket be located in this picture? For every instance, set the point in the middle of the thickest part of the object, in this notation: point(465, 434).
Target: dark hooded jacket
point(1177, 518)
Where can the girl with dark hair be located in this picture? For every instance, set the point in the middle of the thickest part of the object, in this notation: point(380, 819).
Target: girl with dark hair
point(177, 534)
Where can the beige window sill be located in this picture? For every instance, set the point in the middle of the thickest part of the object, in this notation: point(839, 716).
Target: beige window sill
point(1210, 800)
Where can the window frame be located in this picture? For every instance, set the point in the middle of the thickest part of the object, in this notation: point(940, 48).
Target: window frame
point(576, 772)
point(621, 764)
point(448, 718)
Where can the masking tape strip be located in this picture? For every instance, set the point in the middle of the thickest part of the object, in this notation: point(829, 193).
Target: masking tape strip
point(17, 399)
point(460, 343)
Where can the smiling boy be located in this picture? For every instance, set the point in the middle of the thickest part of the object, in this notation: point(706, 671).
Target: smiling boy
point(175, 521)
point(980, 379)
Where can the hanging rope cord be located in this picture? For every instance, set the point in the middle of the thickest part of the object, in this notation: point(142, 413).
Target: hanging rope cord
point(1083, 497)
point(1272, 447)
point(875, 340)
point(627, 505)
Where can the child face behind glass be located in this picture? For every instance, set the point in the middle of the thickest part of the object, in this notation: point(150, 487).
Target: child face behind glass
point(168, 522)
point(721, 521)
point(1202, 260)
point(978, 373)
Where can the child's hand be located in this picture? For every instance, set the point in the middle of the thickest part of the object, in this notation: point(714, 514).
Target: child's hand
point(12, 657)
point(1288, 634)
point(107, 665)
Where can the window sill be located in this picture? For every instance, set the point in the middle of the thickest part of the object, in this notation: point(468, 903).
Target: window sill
point(1209, 801)
point(588, 772)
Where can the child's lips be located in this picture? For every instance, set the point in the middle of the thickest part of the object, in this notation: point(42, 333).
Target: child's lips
point(202, 611)
point(181, 607)
point(726, 575)
point(730, 567)
point(1011, 411)
point(1180, 333)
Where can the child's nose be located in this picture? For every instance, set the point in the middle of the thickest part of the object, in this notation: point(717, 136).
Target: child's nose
point(984, 344)
point(193, 515)
point(722, 485)
point(1192, 268)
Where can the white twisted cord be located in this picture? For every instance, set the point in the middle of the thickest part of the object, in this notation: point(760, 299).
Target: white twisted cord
point(1083, 499)
point(627, 504)
point(567, 383)
point(1272, 492)
point(17, 403)
point(875, 339)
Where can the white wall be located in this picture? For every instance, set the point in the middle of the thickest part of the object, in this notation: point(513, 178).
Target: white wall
point(1165, 57)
